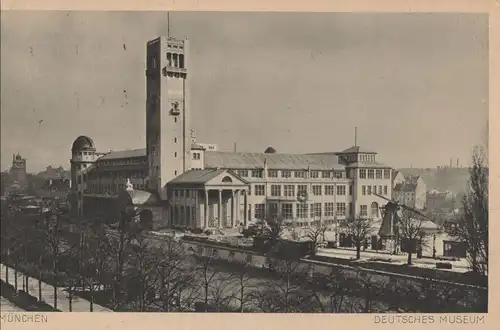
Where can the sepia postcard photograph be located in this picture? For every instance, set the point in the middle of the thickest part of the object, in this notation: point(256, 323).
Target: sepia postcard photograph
point(175, 161)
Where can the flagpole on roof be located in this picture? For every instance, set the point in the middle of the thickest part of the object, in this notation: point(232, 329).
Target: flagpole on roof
point(168, 25)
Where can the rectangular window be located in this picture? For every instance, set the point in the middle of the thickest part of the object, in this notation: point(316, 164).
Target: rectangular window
point(181, 193)
point(316, 210)
point(374, 189)
point(286, 174)
point(371, 174)
point(289, 190)
point(363, 210)
point(350, 190)
point(363, 190)
point(379, 174)
point(341, 190)
point(326, 174)
point(369, 190)
point(341, 209)
point(301, 188)
point(299, 174)
point(385, 190)
point(275, 190)
point(387, 174)
point(259, 211)
point(260, 190)
point(256, 173)
point(329, 209)
point(196, 156)
point(362, 174)
point(249, 190)
point(316, 190)
point(287, 211)
point(314, 174)
point(330, 190)
point(272, 173)
point(243, 173)
point(380, 190)
point(302, 211)
point(339, 174)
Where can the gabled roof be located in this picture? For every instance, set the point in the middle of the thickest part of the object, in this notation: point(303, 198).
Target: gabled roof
point(247, 160)
point(412, 179)
point(197, 176)
point(202, 176)
point(356, 149)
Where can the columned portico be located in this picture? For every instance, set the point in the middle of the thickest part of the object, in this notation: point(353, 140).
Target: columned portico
point(212, 197)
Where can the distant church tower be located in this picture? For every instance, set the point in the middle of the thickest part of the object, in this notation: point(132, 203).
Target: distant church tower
point(168, 127)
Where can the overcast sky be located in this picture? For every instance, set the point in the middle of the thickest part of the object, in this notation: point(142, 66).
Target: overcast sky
point(415, 85)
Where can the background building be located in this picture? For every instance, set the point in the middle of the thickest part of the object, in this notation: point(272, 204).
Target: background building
point(410, 190)
point(18, 170)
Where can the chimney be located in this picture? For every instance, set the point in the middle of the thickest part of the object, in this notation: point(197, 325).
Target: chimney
point(457, 162)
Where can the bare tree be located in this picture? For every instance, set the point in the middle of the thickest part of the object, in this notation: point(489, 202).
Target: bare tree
point(411, 233)
point(141, 274)
point(126, 231)
point(53, 239)
point(316, 235)
point(220, 293)
point(206, 275)
point(359, 229)
point(330, 291)
point(284, 293)
point(176, 280)
point(472, 228)
point(276, 226)
point(244, 285)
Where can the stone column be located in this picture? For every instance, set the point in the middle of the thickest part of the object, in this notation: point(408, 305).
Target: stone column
point(205, 220)
point(220, 208)
point(245, 208)
point(233, 208)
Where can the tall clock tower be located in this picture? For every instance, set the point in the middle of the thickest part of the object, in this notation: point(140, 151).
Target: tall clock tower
point(168, 127)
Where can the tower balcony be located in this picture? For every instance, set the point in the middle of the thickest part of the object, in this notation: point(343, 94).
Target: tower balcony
point(171, 69)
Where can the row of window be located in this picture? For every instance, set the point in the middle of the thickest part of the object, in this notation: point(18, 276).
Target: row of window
point(302, 211)
point(290, 190)
point(367, 190)
point(259, 173)
point(119, 162)
point(111, 188)
point(374, 174)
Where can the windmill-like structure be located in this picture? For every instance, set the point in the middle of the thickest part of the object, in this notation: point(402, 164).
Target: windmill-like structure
point(391, 219)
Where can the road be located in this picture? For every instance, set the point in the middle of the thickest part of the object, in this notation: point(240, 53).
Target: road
point(77, 305)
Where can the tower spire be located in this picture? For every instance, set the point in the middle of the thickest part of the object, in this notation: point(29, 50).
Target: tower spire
point(355, 136)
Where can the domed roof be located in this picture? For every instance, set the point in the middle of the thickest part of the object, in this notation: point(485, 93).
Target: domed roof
point(270, 150)
point(82, 143)
point(18, 157)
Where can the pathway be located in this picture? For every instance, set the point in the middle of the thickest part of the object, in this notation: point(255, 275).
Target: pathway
point(458, 266)
point(78, 304)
